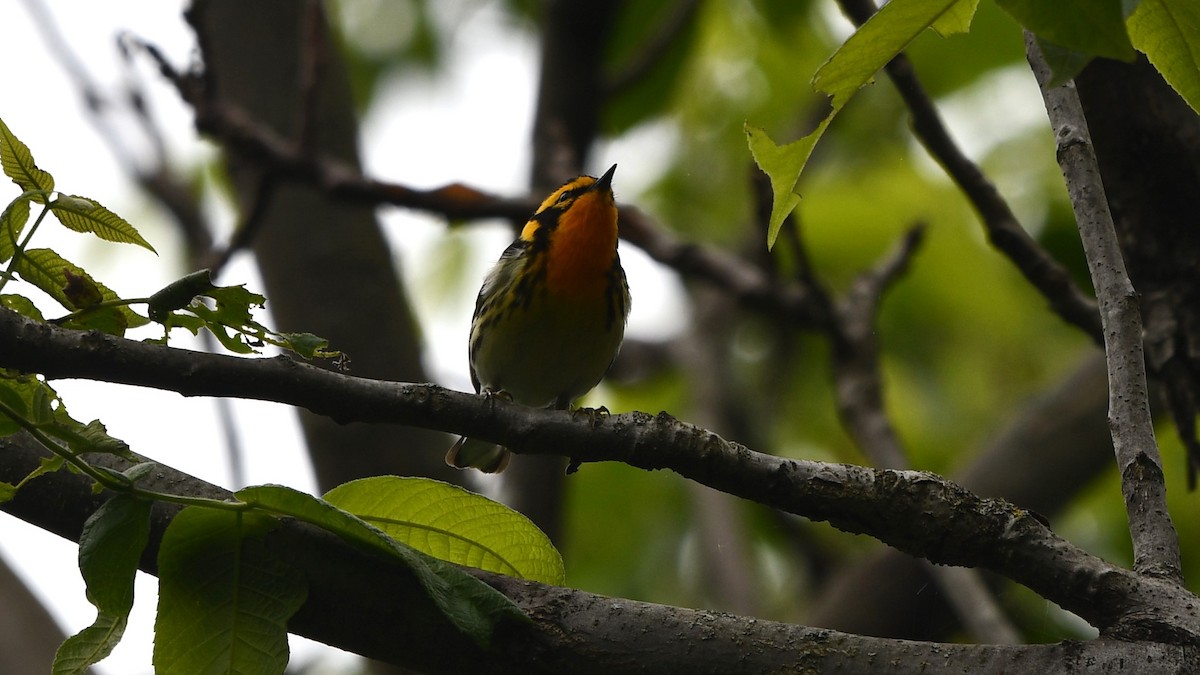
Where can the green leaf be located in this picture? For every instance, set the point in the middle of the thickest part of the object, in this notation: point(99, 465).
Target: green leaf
point(90, 645)
point(18, 165)
point(878, 41)
point(957, 18)
point(469, 604)
point(7, 492)
point(110, 547)
point(48, 270)
point(21, 305)
point(1064, 63)
point(86, 215)
point(109, 550)
point(1095, 27)
point(12, 396)
point(307, 345)
point(850, 68)
point(12, 223)
point(224, 600)
point(453, 524)
point(179, 294)
point(1168, 32)
point(783, 165)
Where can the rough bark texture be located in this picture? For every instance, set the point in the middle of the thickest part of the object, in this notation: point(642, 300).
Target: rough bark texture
point(1147, 142)
point(379, 611)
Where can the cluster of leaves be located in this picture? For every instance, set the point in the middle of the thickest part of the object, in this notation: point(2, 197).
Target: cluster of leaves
point(247, 595)
point(1070, 34)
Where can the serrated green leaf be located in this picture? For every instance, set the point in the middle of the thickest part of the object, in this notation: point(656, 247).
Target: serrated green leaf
point(179, 294)
point(1095, 27)
point(1168, 33)
point(453, 524)
point(220, 588)
point(469, 604)
point(86, 215)
point(47, 270)
point(18, 165)
point(110, 547)
point(90, 645)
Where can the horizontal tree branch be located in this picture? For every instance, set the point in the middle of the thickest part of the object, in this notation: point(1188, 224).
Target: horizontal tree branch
point(917, 512)
point(379, 611)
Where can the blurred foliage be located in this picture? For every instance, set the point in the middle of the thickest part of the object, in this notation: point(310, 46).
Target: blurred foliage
point(966, 341)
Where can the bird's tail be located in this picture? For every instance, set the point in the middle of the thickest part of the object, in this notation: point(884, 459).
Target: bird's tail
point(483, 455)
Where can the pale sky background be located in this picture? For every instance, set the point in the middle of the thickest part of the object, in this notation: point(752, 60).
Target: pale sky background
point(404, 140)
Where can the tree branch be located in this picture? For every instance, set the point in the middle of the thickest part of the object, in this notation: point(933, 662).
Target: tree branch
point(1003, 229)
point(916, 512)
point(380, 611)
point(1155, 542)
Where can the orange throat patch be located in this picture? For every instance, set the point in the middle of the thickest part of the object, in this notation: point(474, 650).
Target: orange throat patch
point(582, 248)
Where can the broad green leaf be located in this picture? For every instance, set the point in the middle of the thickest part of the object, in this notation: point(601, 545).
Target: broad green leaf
point(86, 215)
point(469, 604)
point(109, 549)
point(1168, 33)
point(7, 492)
point(453, 524)
point(957, 18)
point(47, 270)
point(1095, 27)
point(110, 546)
point(18, 165)
point(224, 600)
point(851, 67)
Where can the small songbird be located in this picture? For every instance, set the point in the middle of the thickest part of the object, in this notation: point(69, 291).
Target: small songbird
point(551, 315)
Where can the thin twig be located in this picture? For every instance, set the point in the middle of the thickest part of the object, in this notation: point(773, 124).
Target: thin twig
point(1155, 542)
point(1004, 230)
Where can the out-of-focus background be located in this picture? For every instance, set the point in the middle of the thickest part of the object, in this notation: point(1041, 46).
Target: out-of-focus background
point(449, 92)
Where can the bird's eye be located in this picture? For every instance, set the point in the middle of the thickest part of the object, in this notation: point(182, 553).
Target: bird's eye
point(563, 198)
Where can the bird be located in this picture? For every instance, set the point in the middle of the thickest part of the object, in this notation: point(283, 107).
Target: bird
point(550, 316)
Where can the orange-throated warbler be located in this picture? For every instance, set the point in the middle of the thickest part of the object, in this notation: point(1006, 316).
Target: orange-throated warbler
point(551, 314)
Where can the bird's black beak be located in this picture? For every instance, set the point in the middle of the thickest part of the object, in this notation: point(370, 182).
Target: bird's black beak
point(605, 181)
